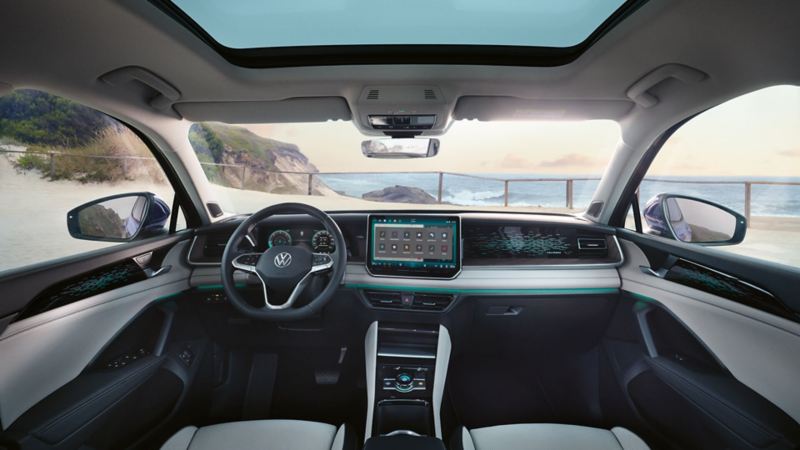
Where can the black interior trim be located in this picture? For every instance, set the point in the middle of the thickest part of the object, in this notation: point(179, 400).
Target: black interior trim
point(326, 55)
point(780, 280)
point(23, 284)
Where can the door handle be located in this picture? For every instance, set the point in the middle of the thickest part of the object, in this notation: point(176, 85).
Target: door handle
point(505, 311)
point(152, 273)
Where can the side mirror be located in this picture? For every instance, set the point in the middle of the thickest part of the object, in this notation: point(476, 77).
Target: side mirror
point(119, 218)
point(400, 148)
point(693, 220)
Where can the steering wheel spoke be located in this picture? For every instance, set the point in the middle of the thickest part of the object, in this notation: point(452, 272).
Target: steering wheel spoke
point(246, 262)
point(321, 262)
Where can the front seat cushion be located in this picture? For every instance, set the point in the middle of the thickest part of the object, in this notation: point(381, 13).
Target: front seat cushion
point(263, 435)
point(547, 436)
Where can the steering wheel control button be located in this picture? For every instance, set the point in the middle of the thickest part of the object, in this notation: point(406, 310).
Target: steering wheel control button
point(249, 259)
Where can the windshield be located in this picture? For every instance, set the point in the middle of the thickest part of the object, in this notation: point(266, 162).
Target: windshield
point(524, 166)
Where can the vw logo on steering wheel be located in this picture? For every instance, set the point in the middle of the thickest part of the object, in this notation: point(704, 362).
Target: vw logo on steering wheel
point(283, 260)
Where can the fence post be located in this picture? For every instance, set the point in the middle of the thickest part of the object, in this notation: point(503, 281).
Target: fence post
point(310, 183)
point(441, 184)
point(244, 168)
point(505, 193)
point(748, 190)
point(52, 165)
point(570, 185)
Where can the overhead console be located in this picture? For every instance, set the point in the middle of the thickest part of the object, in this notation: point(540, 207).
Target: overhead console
point(402, 110)
point(419, 246)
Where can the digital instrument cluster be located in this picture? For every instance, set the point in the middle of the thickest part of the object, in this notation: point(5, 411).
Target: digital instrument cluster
point(319, 241)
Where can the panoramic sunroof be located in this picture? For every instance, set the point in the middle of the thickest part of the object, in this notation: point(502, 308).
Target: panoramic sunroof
point(243, 24)
point(280, 33)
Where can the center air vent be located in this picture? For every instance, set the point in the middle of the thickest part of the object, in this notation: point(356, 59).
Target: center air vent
point(373, 94)
point(409, 300)
point(430, 94)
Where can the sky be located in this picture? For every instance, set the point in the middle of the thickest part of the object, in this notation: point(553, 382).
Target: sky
point(757, 134)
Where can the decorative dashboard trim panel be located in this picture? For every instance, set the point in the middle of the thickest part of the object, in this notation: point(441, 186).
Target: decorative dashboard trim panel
point(472, 279)
point(576, 291)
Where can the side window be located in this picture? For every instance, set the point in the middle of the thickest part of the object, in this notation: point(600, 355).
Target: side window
point(743, 155)
point(55, 155)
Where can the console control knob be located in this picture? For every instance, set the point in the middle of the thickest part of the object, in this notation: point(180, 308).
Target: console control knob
point(404, 382)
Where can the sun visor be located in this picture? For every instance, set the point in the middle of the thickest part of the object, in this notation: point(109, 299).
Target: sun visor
point(497, 108)
point(310, 109)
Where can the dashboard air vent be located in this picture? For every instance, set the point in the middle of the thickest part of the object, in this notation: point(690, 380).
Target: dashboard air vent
point(408, 300)
point(432, 302)
point(384, 299)
point(430, 94)
point(592, 246)
point(373, 94)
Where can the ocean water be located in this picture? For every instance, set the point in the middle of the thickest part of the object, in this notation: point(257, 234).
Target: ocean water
point(766, 200)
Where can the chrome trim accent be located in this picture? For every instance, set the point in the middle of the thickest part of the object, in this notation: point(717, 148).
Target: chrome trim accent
point(298, 289)
point(405, 355)
point(244, 267)
point(473, 278)
point(604, 247)
point(371, 360)
point(282, 260)
point(443, 348)
point(403, 433)
point(460, 245)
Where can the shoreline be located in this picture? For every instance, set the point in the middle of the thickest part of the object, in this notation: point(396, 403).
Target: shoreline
point(38, 232)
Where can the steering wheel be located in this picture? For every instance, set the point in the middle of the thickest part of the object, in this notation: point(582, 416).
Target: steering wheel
point(284, 271)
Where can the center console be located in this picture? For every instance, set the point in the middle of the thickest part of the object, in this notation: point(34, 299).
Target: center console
point(406, 372)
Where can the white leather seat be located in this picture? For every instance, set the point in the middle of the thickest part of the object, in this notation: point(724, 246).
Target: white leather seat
point(262, 435)
point(548, 436)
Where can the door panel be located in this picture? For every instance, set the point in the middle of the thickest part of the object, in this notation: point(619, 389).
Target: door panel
point(728, 380)
point(46, 351)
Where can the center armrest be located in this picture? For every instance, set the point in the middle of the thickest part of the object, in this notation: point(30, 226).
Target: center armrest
point(404, 442)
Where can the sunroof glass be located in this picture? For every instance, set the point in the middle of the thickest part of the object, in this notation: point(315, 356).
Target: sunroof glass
point(245, 24)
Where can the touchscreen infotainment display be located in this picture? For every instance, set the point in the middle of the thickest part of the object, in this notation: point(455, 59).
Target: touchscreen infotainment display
point(418, 246)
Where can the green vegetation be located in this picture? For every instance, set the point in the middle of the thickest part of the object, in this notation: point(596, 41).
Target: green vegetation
point(67, 141)
point(63, 139)
point(35, 117)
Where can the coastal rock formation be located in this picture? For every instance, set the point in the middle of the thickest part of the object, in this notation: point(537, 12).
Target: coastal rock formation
point(400, 194)
point(240, 152)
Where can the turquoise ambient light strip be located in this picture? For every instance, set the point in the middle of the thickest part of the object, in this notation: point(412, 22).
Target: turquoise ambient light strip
point(572, 291)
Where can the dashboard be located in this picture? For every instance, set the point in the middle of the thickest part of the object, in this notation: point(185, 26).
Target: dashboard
point(430, 245)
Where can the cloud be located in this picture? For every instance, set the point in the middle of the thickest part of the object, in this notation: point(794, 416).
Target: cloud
point(792, 153)
point(512, 161)
point(571, 160)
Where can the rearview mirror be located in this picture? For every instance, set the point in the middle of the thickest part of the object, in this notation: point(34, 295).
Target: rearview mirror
point(693, 220)
point(400, 148)
point(119, 218)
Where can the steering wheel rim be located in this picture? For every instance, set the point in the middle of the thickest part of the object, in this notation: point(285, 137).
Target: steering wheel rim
point(272, 266)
